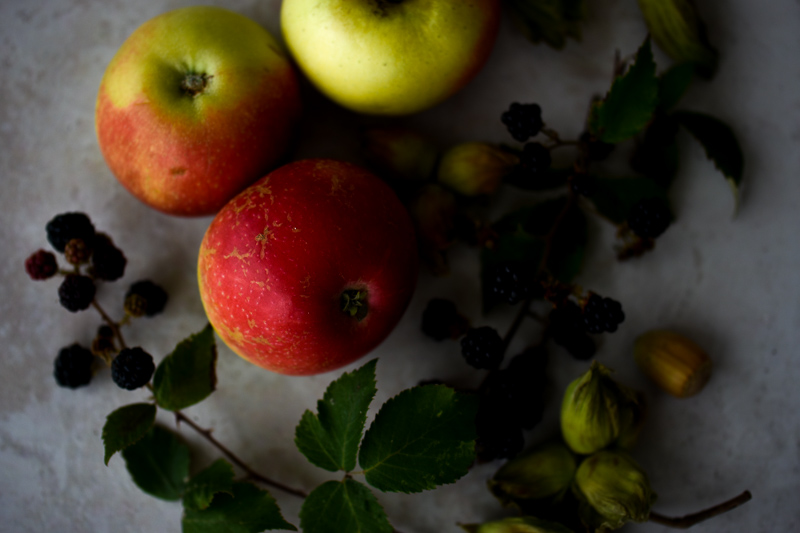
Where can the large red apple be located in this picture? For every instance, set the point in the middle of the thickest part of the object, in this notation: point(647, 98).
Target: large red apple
point(196, 105)
point(309, 268)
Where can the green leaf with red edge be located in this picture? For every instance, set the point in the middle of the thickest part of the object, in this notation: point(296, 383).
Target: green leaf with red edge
point(343, 507)
point(188, 375)
point(330, 438)
point(720, 144)
point(126, 426)
point(421, 438)
point(159, 463)
point(631, 101)
point(248, 509)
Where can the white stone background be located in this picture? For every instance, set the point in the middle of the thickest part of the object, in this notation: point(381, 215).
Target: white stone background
point(730, 283)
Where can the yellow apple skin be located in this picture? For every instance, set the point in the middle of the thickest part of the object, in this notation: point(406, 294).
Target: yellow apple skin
point(183, 153)
point(386, 57)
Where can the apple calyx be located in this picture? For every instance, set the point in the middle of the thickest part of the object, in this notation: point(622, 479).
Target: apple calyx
point(354, 303)
point(194, 84)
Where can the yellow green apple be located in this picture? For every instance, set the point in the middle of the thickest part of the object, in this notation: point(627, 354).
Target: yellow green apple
point(197, 104)
point(390, 57)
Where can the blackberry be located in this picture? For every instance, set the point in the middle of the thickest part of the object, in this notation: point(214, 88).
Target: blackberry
point(482, 348)
point(73, 366)
point(145, 298)
point(514, 397)
point(132, 368)
point(534, 160)
point(67, 226)
point(523, 120)
point(41, 265)
point(511, 282)
point(582, 184)
point(76, 292)
point(108, 261)
point(441, 320)
point(568, 329)
point(602, 314)
point(596, 150)
point(649, 218)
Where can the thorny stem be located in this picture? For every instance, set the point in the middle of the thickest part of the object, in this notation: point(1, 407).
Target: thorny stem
point(685, 522)
point(111, 323)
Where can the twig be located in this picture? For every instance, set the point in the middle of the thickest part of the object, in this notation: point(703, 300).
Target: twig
point(252, 474)
point(111, 323)
point(685, 522)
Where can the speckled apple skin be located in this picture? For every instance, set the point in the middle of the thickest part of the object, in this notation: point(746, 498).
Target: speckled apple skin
point(188, 155)
point(275, 260)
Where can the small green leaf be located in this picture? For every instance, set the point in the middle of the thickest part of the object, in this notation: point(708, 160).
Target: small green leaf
point(614, 197)
point(187, 375)
point(551, 21)
point(343, 507)
point(673, 83)
point(248, 510)
point(330, 438)
point(629, 105)
point(421, 438)
point(720, 144)
point(159, 463)
point(656, 157)
point(127, 425)
point(200, 490)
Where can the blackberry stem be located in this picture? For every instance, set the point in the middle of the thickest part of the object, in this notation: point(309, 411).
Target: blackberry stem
point(111, 323)
point(685, 522)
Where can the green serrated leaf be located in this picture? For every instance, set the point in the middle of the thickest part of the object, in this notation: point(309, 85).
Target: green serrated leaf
point(343, 507)
point(200, 490)
point(673, 83)
point(551, 21)
point(421, 438)
point(127, 425)
point(187, 375)
point(248, 510)
point(720, 144)
point(330, 438)
point(614, 197)
point(629, 105)
point(159, 463)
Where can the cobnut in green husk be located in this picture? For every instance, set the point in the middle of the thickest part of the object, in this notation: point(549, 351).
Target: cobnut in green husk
point(475, 168)
point(400, 152)
point(675, 363)
point(544, 471)
point(613, 489)
point(523, 524)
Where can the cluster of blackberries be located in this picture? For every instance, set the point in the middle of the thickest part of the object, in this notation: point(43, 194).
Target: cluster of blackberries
point(523, 120)
point(649, 218)
point(570, 323)
point(511, 400)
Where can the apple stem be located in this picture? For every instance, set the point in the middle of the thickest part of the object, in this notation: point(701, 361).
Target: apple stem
point(354, 303)
point(194, 84)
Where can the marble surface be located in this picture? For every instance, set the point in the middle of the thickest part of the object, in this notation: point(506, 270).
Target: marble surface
point(730, 283)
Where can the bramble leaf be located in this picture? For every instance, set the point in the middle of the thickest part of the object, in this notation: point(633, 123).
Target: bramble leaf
point(248, 509)
point(343, 507)
point(673, 83)
point(614, 197)
point(421, 438)
point(720, 144)
point(629, 105)
point(200, 489)
point(656, 157)
point(330, 438)
point(127, 425)
point(159, 463)
point(187, 375)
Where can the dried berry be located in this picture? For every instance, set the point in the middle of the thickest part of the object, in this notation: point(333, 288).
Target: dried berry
point(145, 298)
point(77, 252)
point(41, 265)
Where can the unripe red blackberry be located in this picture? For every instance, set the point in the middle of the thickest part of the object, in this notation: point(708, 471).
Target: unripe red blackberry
point(108, 261)
point(72, 367)
point(77, 252)
point(76, 292)
point(67, 226)
point(145, 298)
point(132, 368)
point(523, 120)
point(41, 265)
